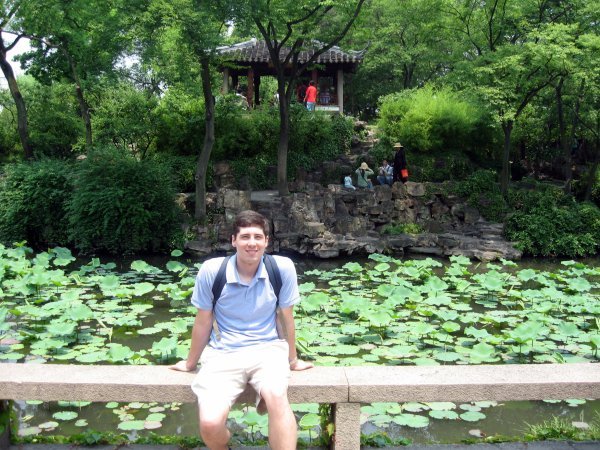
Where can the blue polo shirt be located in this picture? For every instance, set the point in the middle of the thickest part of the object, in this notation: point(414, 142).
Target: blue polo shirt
point(245, 312)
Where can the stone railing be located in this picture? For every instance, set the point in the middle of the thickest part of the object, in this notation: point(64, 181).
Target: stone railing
point(345, 388)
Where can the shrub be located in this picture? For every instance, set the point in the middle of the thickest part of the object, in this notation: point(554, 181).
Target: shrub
point(482, 191)
point(122, 205)
point(430, 120)
point(402, 228)
point(549, 223)
point(33, 202)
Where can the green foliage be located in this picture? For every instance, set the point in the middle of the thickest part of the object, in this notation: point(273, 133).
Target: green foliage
point(33, 202)
point(556, 428)
point(183, 169)
point(430, 120)
point(127, 118)
point(548, 222)
point(482, 191)
point(54, 125)
point(402, 228)
point(118, 205)
point(438, 167)
point(248, 140)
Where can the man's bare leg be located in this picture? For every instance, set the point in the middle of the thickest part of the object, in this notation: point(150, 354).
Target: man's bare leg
point(213, 426)
point(282, 423)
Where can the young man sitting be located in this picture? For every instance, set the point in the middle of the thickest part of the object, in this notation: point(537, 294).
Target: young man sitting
point(244, 347)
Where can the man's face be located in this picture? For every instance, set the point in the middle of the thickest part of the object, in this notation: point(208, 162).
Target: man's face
point(250, 244)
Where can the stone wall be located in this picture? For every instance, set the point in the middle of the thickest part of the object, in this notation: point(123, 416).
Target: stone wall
point(332, 221)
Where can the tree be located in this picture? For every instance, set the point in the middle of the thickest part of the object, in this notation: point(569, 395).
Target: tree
point(288, 28)
point(9, 10)
point(195, 28)
point(514, 51)
point(77, 40)
point(401, 52)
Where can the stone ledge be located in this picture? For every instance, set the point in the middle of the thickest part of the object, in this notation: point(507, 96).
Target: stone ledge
point(51, 382)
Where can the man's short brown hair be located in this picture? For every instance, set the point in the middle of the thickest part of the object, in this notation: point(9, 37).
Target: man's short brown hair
point(250, 218)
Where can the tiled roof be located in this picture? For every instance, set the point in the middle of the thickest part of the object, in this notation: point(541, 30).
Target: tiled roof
point(257, 51)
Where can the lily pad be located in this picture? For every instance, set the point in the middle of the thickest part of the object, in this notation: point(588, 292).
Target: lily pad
point(65, 415)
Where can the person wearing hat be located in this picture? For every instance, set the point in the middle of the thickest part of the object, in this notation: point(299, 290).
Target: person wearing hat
point(400, 168)
point(363, 173)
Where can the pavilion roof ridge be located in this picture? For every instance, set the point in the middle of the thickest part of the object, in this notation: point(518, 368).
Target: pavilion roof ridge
point(255, 50)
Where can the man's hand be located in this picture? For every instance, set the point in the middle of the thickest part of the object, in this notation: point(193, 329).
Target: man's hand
point(182, 366)
point(301, 365)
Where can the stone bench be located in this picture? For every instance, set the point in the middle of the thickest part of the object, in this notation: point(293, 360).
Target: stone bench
point(346, 388)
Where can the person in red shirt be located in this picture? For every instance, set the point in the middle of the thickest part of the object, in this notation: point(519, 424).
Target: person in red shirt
point(311, 96)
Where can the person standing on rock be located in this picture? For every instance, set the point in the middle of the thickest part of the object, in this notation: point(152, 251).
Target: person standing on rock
point(235, 337)
point(400, 168)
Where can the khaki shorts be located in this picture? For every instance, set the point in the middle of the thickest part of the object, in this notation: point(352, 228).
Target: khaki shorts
point(224, 374)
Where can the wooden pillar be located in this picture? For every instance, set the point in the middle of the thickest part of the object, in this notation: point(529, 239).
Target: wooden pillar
point(250, 92)
point(257, 89)
point(347, 426)
point(340, 90)
point(225, 88)
point(235, 82)
point(314, 76)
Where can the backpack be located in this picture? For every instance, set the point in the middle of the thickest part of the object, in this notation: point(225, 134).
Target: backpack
point(272, 271)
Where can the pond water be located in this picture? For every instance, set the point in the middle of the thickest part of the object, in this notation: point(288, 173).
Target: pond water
point(375, 310)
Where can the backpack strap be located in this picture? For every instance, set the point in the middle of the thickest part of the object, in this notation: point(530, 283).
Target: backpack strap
point(219, 282)
point(274, 274)
point(272, 271)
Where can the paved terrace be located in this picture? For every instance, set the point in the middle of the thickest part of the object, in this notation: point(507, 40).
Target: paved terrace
point(346, 388)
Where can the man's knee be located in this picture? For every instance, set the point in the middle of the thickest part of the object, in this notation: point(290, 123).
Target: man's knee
point(275, 396)
point(213, 419)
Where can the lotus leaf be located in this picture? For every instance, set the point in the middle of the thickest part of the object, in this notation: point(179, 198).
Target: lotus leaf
point(315, 301)
point(140, 289)
point(443, 414)
point(29, 431)
point(309, 420)
point(119, 352)
point(48, 425)
point(61, 328)
point(412, 407)
point(155, 417)
point(131, 425)
point(469, 407)
point(380, 420)
point(447, 356)
point(483, 352)
point(411, 420)
point(65, 415)
point(472, 416)
point(92, 357)
point(152, 425)
point(579, 284)
point(144, 267)
point(352, 267)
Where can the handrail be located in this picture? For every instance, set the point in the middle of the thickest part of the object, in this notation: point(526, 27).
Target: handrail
point(346, 388)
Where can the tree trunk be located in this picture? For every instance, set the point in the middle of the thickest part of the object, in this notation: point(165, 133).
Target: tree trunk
point(284, 140)
point(594, 169)
point(22, 126)
point(83, 106)
point(209, 140)
point(505, 174)
point(562, 130)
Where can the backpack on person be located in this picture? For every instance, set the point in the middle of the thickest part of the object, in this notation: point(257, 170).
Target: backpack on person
point(272, 271)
